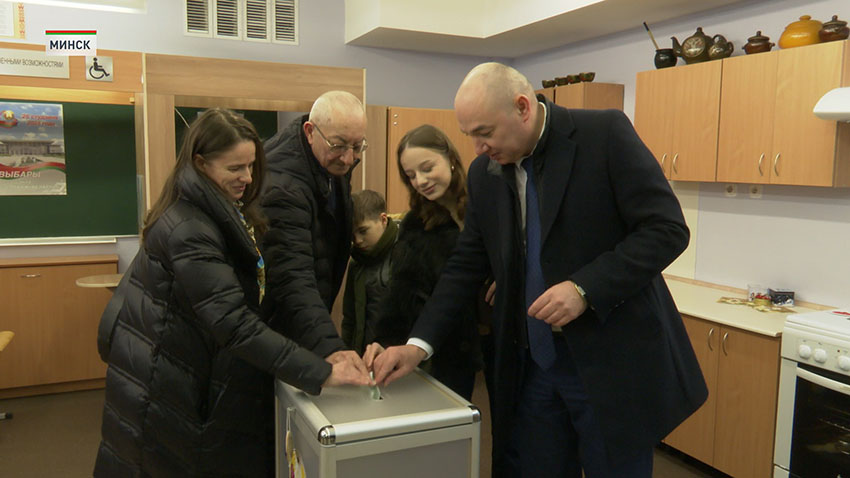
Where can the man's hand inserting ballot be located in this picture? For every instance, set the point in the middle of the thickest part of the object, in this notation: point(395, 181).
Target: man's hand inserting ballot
point(393, 363)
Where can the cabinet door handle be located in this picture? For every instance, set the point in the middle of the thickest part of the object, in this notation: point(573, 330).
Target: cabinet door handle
point(710, 333)
point(775, 163)
point(723, 343)
point(761, 158)
point(675, 160)
point(663, 158)
point(30, 276)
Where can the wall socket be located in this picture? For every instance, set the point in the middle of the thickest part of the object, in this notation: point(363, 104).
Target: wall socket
point(731, 190)
point(755, 191)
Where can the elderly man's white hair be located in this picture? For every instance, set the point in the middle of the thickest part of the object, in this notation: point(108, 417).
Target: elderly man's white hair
point(335, 104)
point(500, 82)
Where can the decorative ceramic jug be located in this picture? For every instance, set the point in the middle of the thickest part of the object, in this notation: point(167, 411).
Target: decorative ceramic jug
point(665, 57)
point(833, 30)
point(720, 48)
point(757, 43)
point(695, 48)
point(800, 33)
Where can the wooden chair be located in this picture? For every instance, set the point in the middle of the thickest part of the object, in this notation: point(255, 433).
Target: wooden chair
point(5, 338)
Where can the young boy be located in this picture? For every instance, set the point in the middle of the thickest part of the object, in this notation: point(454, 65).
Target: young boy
point(369, 270)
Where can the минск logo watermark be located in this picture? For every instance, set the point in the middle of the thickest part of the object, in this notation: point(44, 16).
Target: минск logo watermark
point(71, 42)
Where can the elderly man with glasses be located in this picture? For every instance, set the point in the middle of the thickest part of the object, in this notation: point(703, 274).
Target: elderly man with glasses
point(308, 204)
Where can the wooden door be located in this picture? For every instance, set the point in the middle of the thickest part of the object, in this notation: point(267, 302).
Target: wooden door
point(55, 324)
point(748, 379)
point(695, 436)
point(803, 144)
point(696, 120)
point(402, 120)
point(374, 175)
point(654, 98)
point(747, 101)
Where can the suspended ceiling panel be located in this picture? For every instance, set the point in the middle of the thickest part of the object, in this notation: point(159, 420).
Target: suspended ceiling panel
point(502, 28)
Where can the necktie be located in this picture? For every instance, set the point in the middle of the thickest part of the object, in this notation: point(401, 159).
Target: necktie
point(540, 340)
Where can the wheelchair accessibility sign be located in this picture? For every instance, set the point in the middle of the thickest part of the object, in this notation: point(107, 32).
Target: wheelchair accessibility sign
point(99, 68)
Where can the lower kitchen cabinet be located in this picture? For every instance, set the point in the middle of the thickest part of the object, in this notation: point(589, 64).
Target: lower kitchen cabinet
point(55, 324)
point(733, 431)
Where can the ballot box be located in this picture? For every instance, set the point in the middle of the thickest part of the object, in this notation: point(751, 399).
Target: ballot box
point(419, 428)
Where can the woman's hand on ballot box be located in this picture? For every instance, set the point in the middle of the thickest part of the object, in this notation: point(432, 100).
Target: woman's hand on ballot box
point(347, 369)
point(393, 363)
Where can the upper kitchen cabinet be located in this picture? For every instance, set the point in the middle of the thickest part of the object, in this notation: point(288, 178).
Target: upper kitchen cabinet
point(547, 92)
point(808, 150)
point(747, 112)
point(591, 96)
point(586, 95)
point(768, 133)
point(677, 114)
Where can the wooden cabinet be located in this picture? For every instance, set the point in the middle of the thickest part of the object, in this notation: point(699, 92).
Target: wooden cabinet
point(55, 323)
point(677, 114)
point(695, 436)
point(547, 92)
point(806, 148)
point(747, 112)
point(592, 96)
point(748, 118)
point(734, 430)
point(768, 133)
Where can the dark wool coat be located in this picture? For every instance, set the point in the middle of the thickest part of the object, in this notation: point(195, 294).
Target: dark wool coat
point(417, 261)
point(306, 248)
point(611, 224)
point(189, 384)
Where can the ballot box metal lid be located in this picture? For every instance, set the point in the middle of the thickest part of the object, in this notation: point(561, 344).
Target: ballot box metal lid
point(413, 403)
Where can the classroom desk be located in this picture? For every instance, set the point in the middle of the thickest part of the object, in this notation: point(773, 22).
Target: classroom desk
point(110, 281)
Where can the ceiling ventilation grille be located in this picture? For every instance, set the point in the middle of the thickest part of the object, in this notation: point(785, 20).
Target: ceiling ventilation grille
point(253, 20)
point(286, 21)
point(197, 17)
point(227, 18)
point(256, 19)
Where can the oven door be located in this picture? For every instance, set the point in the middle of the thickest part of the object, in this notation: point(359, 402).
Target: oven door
point(813, 423)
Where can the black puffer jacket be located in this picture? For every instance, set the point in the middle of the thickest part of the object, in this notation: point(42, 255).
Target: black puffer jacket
point(189, 384)
point(417, 261)
point(306, 248)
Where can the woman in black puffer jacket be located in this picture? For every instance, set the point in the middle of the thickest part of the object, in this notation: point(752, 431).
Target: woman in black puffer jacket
point(189, 388)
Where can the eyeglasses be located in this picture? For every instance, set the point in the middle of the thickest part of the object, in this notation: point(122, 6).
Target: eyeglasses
point(339, 149)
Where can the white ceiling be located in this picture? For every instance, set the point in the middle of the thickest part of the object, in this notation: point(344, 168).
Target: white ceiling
point(374, 23)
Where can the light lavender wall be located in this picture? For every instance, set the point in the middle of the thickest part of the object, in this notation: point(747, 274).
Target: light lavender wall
point(393, 77)
point(794, 237)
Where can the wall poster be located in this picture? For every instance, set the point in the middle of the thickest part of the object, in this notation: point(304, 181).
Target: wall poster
point(32, 150)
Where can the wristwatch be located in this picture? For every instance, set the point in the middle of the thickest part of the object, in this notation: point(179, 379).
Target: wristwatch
point(581, 293)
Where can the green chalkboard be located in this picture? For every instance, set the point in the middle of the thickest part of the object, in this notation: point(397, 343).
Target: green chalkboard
point(100, 158)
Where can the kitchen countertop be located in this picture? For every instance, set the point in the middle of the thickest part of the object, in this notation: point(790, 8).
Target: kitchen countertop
point(701, 301)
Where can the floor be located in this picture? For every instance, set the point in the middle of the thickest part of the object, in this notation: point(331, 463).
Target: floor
point(57, 436)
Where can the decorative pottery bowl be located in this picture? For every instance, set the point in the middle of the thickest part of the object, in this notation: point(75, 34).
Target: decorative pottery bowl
point(665, 58)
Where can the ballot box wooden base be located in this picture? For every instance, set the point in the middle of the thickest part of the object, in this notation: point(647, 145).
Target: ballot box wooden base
point(419, 429)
